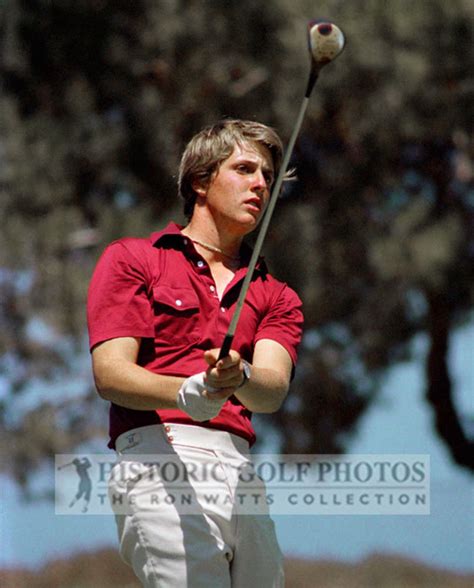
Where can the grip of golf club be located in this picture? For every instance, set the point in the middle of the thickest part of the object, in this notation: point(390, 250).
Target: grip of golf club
point(226, 345)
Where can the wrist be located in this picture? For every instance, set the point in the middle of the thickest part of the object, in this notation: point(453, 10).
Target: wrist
point(246, 373)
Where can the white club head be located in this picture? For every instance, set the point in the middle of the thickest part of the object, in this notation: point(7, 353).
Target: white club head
point(326, 41)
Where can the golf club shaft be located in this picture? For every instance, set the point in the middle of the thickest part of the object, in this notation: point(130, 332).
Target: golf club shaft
point(227, 343)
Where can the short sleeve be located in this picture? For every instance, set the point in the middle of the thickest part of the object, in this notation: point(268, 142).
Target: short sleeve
point(283, 321)
point(118, 303)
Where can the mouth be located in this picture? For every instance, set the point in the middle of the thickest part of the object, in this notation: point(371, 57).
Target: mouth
point(254, 205)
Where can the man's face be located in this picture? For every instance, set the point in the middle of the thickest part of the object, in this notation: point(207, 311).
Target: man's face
point(239, 191)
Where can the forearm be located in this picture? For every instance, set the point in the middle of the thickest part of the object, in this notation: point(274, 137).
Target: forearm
point(132, 386)
point(267, 387)
point(264, 392)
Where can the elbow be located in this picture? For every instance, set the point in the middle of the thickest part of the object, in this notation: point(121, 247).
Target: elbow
point(280, 395)
point(111, 364)
point(103, 389)
point(104, 383)
point(112, 379)
point(274, 401)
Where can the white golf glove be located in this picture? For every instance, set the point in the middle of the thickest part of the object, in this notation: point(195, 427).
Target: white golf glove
point(192, 402)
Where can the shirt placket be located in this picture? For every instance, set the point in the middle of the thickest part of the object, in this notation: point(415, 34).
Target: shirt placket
point(225, 310)
point(220, 314)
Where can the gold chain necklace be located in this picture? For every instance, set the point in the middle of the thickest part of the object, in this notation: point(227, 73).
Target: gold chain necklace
point(215, 249)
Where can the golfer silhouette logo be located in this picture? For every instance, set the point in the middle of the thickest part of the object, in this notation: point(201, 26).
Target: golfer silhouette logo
point(85, 484)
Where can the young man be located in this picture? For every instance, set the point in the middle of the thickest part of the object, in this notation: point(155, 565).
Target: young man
point(158, 311)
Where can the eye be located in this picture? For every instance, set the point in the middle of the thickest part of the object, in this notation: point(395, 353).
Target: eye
point(268, 178)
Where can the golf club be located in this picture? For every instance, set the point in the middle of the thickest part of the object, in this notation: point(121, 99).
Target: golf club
point(325, 42)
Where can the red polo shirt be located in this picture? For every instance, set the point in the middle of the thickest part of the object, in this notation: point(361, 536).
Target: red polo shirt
point(161, 290)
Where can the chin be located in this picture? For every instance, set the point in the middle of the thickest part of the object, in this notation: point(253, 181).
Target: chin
point(244, 225)
point(240, 230)
point(251, 223)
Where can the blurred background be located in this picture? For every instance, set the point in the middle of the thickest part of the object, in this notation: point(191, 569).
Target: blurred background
point(98, 99)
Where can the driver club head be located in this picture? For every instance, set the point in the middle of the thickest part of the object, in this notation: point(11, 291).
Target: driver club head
point(326, 41)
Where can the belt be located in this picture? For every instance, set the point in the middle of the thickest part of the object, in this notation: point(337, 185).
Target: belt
point(150, 438)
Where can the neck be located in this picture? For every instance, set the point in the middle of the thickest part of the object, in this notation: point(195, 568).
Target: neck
point(214, 249)
point(215, 244)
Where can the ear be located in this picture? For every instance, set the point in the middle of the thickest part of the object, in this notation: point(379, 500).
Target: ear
point(199, 187)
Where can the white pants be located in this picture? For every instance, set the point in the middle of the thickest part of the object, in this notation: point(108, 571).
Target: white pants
point(181, 505)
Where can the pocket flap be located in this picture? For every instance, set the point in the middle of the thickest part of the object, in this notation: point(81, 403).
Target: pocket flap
point(177, 298)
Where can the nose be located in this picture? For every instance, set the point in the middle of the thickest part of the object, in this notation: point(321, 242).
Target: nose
point(260, 184)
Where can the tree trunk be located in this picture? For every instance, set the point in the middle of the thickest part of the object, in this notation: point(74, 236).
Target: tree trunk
point(439, 388)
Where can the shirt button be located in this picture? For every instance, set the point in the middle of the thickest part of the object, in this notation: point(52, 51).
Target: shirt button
point(200, 263)
point(179, 302)
point(185, 241)
point(212, 289)
point(167, 428)
point(170, 438)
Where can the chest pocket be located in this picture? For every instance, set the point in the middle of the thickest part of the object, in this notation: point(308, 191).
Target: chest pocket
point(176, 314)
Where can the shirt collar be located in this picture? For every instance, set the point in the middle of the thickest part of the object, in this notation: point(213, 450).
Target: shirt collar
point(172, 230)
point(172, 234)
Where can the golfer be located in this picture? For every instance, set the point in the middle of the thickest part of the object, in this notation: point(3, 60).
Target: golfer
point(158, 310)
